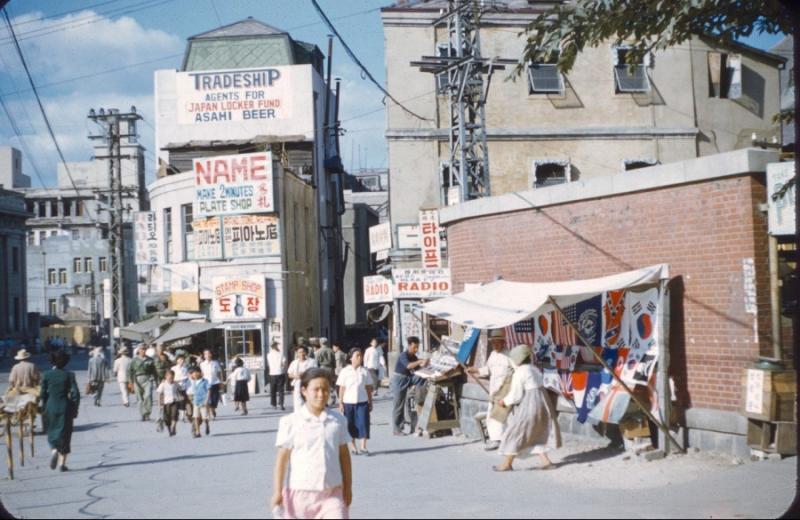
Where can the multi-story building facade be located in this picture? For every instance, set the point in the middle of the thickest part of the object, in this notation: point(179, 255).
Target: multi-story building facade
point(13, 272)
point(543, 127)
point(244, 89)
point(68, 253)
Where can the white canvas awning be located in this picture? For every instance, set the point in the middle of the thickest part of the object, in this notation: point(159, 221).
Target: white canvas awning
point(185, 329)
point(502, 303)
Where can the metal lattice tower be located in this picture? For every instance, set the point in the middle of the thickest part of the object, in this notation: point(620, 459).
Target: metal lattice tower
point(465, 69)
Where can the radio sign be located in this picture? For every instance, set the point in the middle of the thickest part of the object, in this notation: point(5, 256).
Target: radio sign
point(377, 289)
point(234, 185)
point(422, 283)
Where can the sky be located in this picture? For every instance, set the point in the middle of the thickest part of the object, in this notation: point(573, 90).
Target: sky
point(87, 54)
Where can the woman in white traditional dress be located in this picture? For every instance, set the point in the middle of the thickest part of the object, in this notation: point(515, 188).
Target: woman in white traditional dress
point(498, 368)
point(532, 426)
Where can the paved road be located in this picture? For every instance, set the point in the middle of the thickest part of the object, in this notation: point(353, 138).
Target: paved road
point(121, 467)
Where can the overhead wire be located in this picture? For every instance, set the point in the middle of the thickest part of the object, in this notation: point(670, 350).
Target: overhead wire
point(41, 107)
point(361, 65)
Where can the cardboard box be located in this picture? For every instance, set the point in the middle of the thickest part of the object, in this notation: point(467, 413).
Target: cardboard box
point(770, 395)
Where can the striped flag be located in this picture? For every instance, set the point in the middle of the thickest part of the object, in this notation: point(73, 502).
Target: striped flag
point(520, 333)
point(563, 334)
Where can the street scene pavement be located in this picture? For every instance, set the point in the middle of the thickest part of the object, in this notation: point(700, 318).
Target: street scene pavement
point(122, 468)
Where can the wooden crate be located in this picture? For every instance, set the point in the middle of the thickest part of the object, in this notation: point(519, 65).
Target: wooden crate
point(769, 395)
point(772, 437)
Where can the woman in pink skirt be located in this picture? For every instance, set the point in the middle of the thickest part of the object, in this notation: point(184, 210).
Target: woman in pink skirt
point(308, 440)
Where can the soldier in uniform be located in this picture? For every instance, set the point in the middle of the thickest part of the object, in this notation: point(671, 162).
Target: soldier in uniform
point(143, 373)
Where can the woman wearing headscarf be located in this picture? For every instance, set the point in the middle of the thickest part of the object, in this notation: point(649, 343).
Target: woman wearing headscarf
point(60, 400)
point(532, 426)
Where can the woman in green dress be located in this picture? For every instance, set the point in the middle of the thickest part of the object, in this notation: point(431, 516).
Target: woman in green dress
point(60, 399)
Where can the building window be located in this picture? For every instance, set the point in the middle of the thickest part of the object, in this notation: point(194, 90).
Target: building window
point(89, 264)
point(167, 235)
point(52, 306)
point(78, 208)
point(67, 208)
point(550, 172)
point(544, 77)
point(15, 259)
point(62, 277)
point(53, 208)
point(42, 236)
point(443, 50)
point(188, 232)
point(17, 315)
point(103, 264)
point(51, 277)
point(630, 77)
point(104, 233)
point(76, 234)
point(42, 207)
point(77, 265)
point(635, 164)
point(88, 290)
point(53, 233)
point(32, 238)
point(78, 289)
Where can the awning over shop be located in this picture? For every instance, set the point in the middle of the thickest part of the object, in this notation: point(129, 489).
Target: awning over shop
point(502, 303)
point(143, 330)
point(185, 329)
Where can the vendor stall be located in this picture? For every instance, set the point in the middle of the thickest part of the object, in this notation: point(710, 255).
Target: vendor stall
point(598, 341)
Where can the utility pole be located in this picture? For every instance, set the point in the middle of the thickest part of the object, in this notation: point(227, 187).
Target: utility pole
point(110, 121)
point(464, 69)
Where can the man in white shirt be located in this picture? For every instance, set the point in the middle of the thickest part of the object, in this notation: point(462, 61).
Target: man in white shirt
point(498, 368)
point(121, 365)
point(374, 362)
point(277, 375)
point(212, 372)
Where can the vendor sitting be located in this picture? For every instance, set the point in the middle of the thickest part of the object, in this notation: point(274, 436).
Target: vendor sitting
point(401, 381)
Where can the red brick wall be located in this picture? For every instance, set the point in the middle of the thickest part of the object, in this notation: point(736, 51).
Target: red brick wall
point(702, 230)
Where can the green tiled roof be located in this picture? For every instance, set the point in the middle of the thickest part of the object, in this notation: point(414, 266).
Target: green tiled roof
point(239, 53)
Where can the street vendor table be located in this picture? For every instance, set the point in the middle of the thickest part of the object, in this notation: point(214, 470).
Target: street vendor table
point(431, 419)
point(16, 409)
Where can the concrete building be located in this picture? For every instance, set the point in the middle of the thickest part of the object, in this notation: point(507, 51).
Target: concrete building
point(11, 175)
point(68, 252)
point(545, 128)
point(275, 94)
point(13, 271)
point(356, 221)
point(785, 49)
point(370, 187)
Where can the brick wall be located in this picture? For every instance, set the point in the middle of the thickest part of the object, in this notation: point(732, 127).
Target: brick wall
point(702, 230)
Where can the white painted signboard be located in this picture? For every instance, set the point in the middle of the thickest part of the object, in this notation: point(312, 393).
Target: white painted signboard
point(377, 289)
point(251, 235)
point(380, 238)
point(146, 238)
point(234, 185)
point(230, 96)
point(238, 298)
point(781, 202)
point(429, 239)
point(408, 237)
point(421, 283)
point(207, 239)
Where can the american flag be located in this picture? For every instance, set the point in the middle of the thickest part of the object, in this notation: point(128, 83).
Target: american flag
point(563, 334)
point(520, 333)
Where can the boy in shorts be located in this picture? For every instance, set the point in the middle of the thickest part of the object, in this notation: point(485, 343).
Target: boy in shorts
point(199, 402)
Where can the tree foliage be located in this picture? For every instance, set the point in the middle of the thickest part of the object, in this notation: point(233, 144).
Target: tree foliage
point(646, 25)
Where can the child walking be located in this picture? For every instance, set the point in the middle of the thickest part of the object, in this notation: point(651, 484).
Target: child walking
point(241, 376)
point(168, 395)
point(200, 393)
point(312, 441)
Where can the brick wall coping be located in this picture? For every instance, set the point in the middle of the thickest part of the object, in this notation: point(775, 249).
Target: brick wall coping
point(737, 162)
point(554, 134)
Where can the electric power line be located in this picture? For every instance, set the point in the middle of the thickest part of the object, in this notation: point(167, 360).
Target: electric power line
point(361, 65)
point(22, 142)
point(64, 13)
point(41, 106)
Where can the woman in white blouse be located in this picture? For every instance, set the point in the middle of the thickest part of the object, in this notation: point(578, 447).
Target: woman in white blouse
point(532, 426)
point(296, 370)
point(355, 400)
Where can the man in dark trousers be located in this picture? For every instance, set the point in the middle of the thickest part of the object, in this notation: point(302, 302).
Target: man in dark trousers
point(402, 381)
point(98, 373)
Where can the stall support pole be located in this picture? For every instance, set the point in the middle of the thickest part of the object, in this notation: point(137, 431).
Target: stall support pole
point(662, 383)
point(627, 389)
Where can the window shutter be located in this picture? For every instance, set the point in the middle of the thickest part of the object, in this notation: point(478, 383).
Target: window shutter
point(734, 70)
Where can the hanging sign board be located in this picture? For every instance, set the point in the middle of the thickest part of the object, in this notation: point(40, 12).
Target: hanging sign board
point(233, 185)
point(207, 239)
point(251, 235)
point(429, 238)
point(781, 201)
point(380, 238)
point(377, 289)
point(421, 283)
point(238, 298)
point(146, 238)
point(408, 237)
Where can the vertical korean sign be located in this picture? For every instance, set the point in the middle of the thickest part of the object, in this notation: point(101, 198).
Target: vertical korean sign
point(239, 298)
point(234, 185)
point(429, 239)
point(146, 238)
